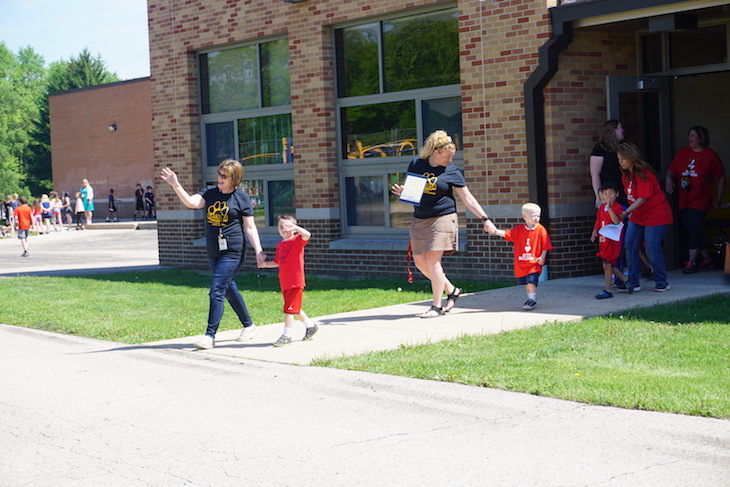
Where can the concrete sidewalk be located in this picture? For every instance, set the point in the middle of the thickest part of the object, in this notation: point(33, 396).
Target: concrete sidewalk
point(81, 412)
point(491, 311)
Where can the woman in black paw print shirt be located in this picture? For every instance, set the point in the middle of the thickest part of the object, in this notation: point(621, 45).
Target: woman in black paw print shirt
point(228, 216)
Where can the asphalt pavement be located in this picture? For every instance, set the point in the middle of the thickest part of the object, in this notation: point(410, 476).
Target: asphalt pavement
point(76, 411)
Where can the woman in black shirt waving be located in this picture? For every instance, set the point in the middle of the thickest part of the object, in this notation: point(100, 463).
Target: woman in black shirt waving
point(228, 217)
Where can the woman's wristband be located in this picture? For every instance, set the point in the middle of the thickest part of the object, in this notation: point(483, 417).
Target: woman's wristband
point(485, 218)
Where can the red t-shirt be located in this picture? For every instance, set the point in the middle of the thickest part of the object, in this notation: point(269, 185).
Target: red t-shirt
point(290, 257)
point(22, 215)
point(701, 169)
point(529, 246)
point(608, 250)
point(655, 210)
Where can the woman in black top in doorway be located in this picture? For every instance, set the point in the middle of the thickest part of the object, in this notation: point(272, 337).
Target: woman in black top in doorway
point(228, 217)
point(604, 161)
point(434, 230)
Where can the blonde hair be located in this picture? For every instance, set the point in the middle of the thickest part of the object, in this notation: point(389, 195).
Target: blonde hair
point(436, 141)
point(531, 208)
point(287, 217)
point(234, 170)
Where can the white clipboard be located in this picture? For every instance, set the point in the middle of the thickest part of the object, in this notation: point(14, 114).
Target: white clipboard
point(413, 189)
point(611, 231)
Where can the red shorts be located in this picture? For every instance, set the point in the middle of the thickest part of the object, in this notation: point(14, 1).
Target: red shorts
point(293, 300)
point(609, 251)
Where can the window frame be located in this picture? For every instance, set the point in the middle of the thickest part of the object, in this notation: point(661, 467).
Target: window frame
point(266, 173)
point(383, 166)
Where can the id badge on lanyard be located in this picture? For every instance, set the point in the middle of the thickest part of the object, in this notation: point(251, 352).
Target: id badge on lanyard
point(222, 242)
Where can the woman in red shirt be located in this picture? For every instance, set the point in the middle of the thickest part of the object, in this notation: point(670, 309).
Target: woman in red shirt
point(696, 167)
point(649, 216)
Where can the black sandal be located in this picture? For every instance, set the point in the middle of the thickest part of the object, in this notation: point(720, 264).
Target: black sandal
point(431, 310)
point(451, 298)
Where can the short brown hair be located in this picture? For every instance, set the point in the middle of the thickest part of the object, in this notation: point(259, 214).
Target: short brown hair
point(234, 170)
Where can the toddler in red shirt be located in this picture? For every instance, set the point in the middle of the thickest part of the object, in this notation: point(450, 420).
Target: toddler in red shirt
point(290, 261)
point(532, 244)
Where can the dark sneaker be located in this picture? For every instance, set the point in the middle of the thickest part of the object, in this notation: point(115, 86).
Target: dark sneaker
point(529, 304)
point(660, 288)
point(282, 341)
point(707, 264)
point(625, 287)
point(604, 295)
point(25, 254)
point(310, 332)
point(690, 268)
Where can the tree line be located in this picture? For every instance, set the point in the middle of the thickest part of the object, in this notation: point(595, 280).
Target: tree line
point(25, 130)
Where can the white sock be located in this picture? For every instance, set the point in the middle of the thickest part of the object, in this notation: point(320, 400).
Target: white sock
point(532, 296)
point(309, 323)
point(287, 332)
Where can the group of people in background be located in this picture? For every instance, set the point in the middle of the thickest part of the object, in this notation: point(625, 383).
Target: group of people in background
point(634, 213)
point(53, 213)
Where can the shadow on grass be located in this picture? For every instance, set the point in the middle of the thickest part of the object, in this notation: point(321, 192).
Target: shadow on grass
point(269, 281)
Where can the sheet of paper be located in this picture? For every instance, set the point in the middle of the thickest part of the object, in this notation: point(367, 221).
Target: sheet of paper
point(612, 232)
point(413, 189)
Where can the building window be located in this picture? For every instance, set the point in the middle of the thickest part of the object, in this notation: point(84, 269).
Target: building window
point(269, 199)
point(685, 51)
point(397, 81)
point(246, 106)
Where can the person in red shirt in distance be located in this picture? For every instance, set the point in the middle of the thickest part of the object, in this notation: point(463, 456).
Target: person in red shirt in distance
point(290, 261)
point(696, 168)
point(22, 221)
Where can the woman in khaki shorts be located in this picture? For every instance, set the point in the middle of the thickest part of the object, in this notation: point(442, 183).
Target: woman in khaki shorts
point(434, 230)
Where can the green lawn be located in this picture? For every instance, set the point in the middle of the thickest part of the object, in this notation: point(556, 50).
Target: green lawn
point(673, 358)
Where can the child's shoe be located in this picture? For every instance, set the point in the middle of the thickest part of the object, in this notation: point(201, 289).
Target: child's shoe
point(529, 304)
point(282, 341)
point(707, 264)
point(310, 332)
point(690, 268)
point(604, 295)
point(626, 287)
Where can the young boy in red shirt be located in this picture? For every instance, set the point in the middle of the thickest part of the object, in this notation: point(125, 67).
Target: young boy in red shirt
point(290, 261)
point(22, 220)
point(532, 244)
point(609, 247)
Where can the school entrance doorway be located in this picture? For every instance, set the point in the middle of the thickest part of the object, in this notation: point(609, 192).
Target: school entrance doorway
point(657, 113)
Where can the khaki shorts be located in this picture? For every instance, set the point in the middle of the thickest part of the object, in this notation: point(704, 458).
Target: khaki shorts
point(434, 234)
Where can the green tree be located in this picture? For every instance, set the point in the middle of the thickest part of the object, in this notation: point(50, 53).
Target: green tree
point(80, 72)
point(21, 88)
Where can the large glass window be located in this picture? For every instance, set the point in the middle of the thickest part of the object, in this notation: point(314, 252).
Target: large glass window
point(245, 100)
point(397, 81)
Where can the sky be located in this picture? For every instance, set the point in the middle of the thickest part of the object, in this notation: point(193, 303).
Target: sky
point(116, 30)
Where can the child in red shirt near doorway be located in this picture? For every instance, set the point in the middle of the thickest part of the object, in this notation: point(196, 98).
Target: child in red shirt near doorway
point(609, 245)
point(532, 244)
point(290, 261)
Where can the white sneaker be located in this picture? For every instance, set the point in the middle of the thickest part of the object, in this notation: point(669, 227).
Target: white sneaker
point(247, 333)
point(205, 342)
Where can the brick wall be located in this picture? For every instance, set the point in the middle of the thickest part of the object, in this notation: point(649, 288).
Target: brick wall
point(83, 146)
point(499, 42)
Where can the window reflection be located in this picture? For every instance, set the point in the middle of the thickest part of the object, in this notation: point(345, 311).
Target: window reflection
point(385, 129)
point(281, 200)
point(365, 202)
point(265, 140)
